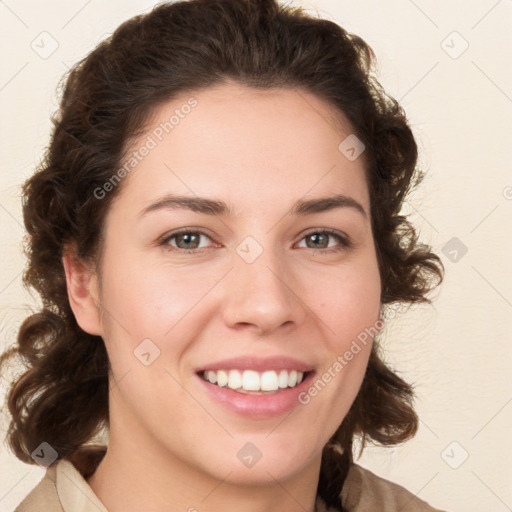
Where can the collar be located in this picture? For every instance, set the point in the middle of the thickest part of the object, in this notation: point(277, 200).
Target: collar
point(76, 495)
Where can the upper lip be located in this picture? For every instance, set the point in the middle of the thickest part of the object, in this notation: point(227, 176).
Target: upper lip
point(258, 364)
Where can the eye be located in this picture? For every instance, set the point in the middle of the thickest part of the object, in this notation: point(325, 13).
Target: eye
point(321, 239)
point(186, 240)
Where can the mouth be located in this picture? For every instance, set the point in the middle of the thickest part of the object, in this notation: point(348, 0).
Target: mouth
point(253, 382)
point(256, 387)
point(230, 393)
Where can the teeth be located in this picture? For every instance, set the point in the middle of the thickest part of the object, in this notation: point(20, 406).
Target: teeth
point(234, 379)
point(269, 381)
point(222, 378)
point(283, 379)
point(250, 380)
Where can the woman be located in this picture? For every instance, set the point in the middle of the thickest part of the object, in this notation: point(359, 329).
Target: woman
point(215, 234)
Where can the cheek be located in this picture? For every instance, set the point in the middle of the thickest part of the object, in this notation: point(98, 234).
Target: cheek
point(149, 300)
point(349, 304)
point(168, 306)
point(354, 306)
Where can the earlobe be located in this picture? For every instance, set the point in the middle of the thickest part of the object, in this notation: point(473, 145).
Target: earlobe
point(82, 288)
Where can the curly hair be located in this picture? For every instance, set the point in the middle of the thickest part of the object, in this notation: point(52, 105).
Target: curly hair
point(108, 97)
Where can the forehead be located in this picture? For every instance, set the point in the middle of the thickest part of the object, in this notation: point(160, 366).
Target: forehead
point(239, 142)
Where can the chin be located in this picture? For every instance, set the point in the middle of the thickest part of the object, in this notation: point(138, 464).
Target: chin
point(251, 466)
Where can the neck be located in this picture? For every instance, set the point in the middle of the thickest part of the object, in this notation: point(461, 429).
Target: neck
point(130, 484)
point(137, 473)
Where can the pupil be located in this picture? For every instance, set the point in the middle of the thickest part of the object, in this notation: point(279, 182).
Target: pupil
point(187, 238)
point(316, 238)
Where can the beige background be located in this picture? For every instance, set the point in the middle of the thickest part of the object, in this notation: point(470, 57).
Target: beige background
point(459, 101)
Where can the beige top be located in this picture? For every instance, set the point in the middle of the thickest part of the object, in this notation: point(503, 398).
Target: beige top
point(64, 489)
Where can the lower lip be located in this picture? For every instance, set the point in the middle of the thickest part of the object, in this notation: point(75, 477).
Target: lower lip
point(258, 406)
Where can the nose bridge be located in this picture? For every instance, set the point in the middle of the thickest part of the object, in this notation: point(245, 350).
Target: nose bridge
point(260, 289)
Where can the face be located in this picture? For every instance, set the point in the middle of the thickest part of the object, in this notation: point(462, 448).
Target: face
point(256, 266)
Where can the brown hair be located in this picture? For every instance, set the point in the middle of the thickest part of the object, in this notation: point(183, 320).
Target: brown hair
point(62, 397)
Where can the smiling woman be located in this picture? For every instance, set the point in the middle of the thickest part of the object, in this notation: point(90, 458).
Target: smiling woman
point(213, 278)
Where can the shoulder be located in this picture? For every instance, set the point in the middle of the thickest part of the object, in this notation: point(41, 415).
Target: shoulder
point(64, 487)
point(364, 490)
point(43, 497)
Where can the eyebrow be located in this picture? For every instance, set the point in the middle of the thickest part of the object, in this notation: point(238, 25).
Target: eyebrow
point(216, 207)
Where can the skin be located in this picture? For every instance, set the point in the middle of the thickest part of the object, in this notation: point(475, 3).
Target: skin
point(170, 444)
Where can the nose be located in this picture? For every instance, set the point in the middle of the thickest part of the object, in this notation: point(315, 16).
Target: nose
point(262, 295)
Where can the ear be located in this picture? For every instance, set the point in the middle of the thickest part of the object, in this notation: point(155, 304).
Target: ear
point(82, 286)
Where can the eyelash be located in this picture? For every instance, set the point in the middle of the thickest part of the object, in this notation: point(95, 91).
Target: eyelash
point(345, 242)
